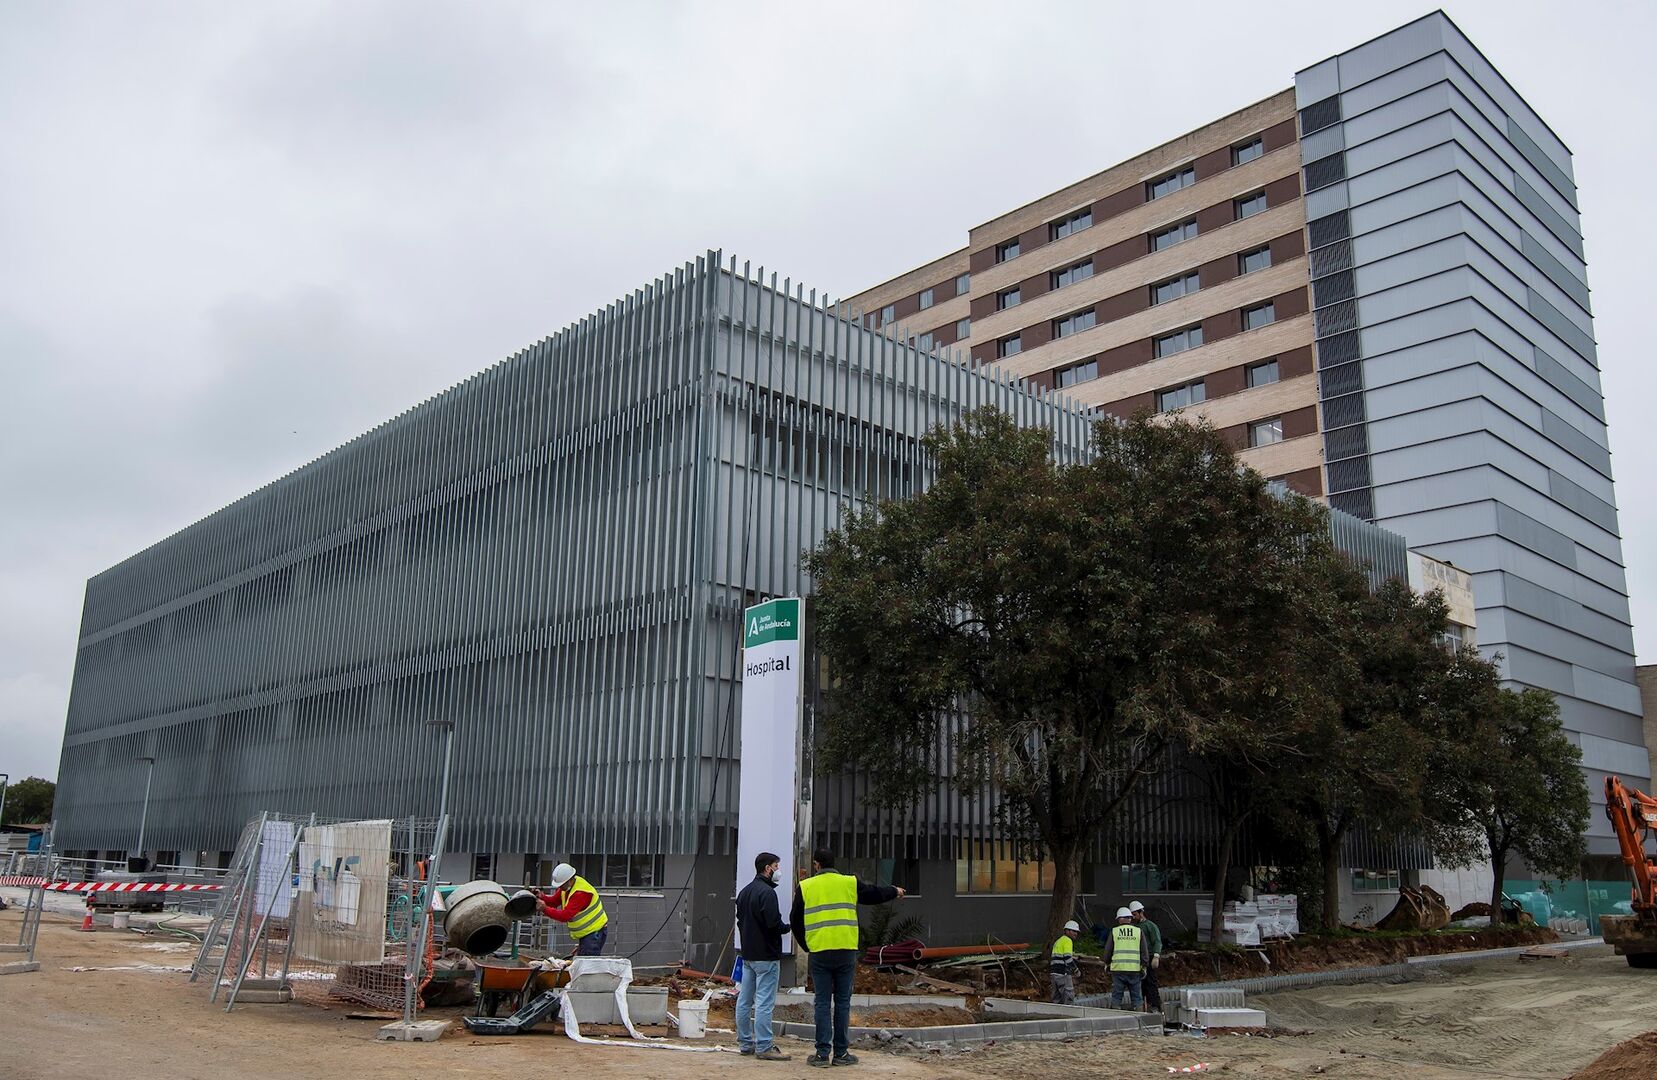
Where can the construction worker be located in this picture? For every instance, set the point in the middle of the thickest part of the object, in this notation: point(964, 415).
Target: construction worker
point(1153, 995)
point(1128, 955)
point(575, 903)
point(1062, 966)
point(824, 922)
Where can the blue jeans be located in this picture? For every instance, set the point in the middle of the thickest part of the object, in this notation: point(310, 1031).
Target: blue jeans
point(757, 996)
point(831, 981)
point(593, 943)
point(1127, 982)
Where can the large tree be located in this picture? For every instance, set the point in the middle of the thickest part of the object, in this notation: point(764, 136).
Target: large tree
point(29, 802)
point(1046, 631)
point(1520, 783)
point(1392, 699)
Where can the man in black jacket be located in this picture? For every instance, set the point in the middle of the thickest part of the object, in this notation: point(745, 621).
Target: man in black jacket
point(759, 928)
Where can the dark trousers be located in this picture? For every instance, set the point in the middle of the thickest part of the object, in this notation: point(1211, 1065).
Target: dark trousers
point(1153, 996)
point(831, 982)
point(593, 943)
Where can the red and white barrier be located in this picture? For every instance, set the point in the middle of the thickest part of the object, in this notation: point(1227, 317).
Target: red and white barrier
point(106, 886)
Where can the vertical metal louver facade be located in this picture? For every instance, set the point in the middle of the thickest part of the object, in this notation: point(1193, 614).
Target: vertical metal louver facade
point(552, 554)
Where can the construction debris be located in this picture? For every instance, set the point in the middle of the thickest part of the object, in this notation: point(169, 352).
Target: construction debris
point(1417, 909)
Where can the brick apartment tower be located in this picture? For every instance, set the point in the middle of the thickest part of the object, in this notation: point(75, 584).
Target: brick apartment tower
point(1374, 284)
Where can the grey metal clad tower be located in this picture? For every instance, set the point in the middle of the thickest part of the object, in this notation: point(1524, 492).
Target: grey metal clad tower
point(1458, 372)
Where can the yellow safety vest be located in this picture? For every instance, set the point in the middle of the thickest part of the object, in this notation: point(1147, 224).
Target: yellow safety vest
point(830, 901)
point(1124, 953)
point(1064, 956)
point(590, 919)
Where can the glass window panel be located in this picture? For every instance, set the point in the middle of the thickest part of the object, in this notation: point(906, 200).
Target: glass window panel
point(1251, 205)
point(963, 284)
point(926, 299)
point(642, 874)
point(1258, 259)
point(1008, 298)
point(888, 313)
point(1248, 151)
point(615, 872)
point(1263, 374)
point(963, 327)
point(1006, 251)
point(1256, 317)
point(1011, 346)
point(924, 342)
point(1266, 432)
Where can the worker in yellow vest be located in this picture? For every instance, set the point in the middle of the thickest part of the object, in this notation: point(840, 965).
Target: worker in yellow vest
point(575, 903)
point(1128, 955)
point(1062, 965)
point(824, 922)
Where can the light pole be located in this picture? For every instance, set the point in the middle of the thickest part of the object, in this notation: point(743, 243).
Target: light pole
point(5, 782)
point(144, 818)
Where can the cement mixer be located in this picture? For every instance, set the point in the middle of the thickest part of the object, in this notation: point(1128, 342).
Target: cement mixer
point(478, 916)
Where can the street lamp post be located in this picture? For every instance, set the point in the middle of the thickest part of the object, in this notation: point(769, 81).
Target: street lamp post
point(144, 818)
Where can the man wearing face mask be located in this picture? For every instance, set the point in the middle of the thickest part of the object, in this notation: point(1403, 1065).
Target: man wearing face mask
point(760, 928)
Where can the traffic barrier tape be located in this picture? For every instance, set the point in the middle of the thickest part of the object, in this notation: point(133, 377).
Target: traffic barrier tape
point(107, 886)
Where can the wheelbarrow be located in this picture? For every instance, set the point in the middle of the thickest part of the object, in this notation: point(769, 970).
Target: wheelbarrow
point(512, 984)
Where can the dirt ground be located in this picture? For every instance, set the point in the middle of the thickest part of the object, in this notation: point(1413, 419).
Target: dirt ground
point(1527, 1019)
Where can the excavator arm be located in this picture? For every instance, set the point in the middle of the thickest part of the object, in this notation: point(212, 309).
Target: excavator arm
point(1633, 817)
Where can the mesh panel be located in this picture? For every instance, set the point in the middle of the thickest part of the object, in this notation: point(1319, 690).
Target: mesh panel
point(1327, 230)
point(1349, 474)
point(1360, 503)
point(1332, 259)
point(1346, 442)
point(1333, 289)
point(1339, 349)
point(1342, 411)
point(1325, 171)
point(1320, 114)
point(1340, 379)
point(1337, 318)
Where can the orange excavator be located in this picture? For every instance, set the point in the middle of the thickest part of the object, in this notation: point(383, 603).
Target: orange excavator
point(1633, 816)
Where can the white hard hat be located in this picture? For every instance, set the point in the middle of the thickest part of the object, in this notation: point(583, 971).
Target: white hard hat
point(561, 875)
point(1123, 913)
point(1136, 906)
point(1073, 926)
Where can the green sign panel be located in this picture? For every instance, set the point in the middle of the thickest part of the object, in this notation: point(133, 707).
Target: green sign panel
point(777, 620)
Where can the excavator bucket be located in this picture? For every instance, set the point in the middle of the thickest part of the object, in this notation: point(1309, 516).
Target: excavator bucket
point(1417, 909)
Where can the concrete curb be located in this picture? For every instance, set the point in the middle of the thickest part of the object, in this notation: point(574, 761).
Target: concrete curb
point(1345, 976)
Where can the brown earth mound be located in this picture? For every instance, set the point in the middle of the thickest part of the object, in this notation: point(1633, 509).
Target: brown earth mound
point(1632, 1059)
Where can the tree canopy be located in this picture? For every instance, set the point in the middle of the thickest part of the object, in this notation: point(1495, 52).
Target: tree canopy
point(1068, 622)
point(29, 802)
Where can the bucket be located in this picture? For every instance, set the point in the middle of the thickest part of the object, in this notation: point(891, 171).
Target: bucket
point(693, 1019)
point(122, 919)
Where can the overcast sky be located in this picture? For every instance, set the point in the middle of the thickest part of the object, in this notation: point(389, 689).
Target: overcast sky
point(233, 236)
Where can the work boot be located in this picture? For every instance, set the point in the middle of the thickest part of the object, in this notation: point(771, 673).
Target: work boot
point(818, 1061)
point(845, 1059)
point(771, 1053)
point(746, 1051)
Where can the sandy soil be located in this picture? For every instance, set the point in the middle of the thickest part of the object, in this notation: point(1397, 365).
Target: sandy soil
point(1532, 1019)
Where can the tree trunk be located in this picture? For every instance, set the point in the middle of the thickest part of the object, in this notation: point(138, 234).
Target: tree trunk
point(1221, 868)
point(1498, 876)
point(1067, 883)
point(1329, 855)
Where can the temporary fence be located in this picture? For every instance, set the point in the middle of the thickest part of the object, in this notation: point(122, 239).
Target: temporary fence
point(327, 910)
point(29, 929)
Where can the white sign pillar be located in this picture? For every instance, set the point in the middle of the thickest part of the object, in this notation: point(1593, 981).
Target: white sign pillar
point(773, 690)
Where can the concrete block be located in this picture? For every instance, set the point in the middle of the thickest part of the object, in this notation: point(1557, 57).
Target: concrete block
point(1210, 1018)
point(19, 967)
point(1219, 998)
point(418, 1031)
point(14, 948)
